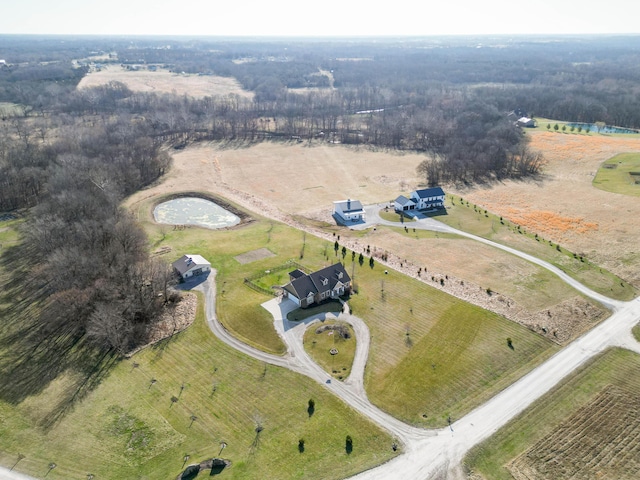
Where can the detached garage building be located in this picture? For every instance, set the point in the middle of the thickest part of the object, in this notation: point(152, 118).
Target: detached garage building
point(349, 210)
point(191, 266)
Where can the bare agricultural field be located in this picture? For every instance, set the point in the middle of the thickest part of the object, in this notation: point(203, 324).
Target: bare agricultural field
point(597, 441)
point(586, 428)
point(164, 81)
point(565, 207)
point(297, 179)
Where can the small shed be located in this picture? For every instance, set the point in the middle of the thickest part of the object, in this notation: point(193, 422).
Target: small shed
point(189, 266)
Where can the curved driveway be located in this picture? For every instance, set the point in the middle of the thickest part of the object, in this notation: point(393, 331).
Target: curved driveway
point(429, 454)
point(437, 453)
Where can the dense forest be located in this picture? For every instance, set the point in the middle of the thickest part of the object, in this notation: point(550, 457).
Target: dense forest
point(69, 156)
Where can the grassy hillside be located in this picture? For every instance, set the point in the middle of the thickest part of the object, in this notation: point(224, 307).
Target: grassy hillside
point(129, 427)
point(620, 174)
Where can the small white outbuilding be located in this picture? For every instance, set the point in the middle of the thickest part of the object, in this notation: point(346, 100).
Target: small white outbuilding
point(349, 210)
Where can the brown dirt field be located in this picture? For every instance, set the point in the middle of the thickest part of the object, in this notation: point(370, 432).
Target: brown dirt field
point(563, 206)
point(254, 255)
point(163, 81)
point(598, 441)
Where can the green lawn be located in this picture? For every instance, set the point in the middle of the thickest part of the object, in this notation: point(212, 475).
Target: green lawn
point(468, 217)
point(319, 345)
point(392, 216)
point(8, 233)
point(620, 174)
point(636, 332)
point(615, 367)
point(130, 428)
point(399, 317)
point(433, 355)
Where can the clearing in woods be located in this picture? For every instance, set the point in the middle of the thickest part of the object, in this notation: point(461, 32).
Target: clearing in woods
point(164, 81)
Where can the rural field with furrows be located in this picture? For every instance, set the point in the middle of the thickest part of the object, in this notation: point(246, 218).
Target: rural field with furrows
point(276, 259)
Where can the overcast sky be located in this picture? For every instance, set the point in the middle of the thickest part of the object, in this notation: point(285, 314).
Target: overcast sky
point(324, 17)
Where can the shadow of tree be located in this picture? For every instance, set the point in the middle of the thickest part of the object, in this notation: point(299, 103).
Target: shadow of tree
point(31, 357)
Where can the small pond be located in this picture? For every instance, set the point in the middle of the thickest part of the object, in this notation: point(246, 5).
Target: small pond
point(194, 211)
point(603, 129)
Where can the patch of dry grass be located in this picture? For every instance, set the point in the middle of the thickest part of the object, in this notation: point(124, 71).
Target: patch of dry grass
point(563, 205)
point(164, 81)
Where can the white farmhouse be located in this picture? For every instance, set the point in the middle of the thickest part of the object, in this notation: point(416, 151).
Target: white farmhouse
point(191, 265)
point(428, 198)
point(349, 210)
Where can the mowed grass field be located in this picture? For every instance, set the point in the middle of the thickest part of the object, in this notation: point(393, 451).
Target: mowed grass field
point(407, 320)
point(129, 427)
point(319, 344)
point(585, 428)
point(620, 174)
point(433, 355)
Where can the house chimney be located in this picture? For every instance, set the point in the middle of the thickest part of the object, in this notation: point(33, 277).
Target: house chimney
point(348, 204)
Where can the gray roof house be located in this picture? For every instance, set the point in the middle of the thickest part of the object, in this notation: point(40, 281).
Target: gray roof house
point(189, 266)
point(305, 290)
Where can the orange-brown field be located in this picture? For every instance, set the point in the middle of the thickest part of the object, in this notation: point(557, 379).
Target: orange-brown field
point(163, 81)
point(563, 206)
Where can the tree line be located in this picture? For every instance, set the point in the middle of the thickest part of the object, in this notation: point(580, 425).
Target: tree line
point(88, 269)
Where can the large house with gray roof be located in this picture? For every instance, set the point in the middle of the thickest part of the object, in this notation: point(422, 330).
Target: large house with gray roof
point(424, 199)
point(308, 289)
point(428, 198)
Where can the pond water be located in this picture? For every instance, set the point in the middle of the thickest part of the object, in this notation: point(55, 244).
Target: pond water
point(194, 211)
point(606, 129)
